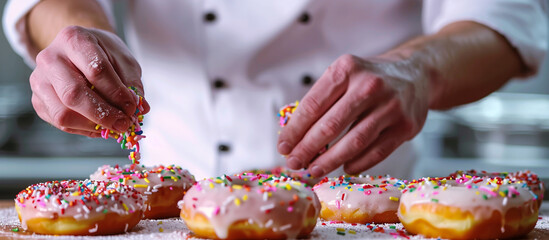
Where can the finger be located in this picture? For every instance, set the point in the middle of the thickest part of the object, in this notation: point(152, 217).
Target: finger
point(72, 91)
point(326, 91)
point(42, 112)
point(363, 93)
point(126, 67)
point(386, 143)
point(53, 112)
point(91, 60)
point(83, 133)
point(365, 131)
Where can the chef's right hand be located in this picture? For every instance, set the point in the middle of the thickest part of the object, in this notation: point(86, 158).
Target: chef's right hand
point(77, 59)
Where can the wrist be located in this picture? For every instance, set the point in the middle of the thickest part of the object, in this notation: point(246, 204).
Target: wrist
point(60, 14)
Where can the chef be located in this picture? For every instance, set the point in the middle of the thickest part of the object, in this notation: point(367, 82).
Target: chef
point(214, 74)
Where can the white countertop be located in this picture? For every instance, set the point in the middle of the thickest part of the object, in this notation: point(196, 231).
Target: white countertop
point(175, 228)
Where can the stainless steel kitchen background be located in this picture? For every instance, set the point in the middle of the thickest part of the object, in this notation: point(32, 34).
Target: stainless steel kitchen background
point(507, 131)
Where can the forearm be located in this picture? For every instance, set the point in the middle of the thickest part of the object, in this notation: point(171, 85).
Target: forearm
point(48, 17)
point(463, 62)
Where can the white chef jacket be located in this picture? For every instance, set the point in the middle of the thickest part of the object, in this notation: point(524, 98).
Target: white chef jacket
point(216, 72)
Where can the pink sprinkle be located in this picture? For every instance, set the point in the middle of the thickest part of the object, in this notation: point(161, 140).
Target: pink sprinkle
point(422, 195)
point(290, 209)
point(368, 192)
point(216, 211)
point(488, 190)
point(338, 205)
point(435, 192)
point(380, 192)
point(469, 186)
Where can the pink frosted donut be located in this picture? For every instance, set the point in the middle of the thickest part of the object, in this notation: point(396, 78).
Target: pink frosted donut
point(249, 206)
point(469, 207)
point(79, 207)
point(362, 199)
point(163, 186)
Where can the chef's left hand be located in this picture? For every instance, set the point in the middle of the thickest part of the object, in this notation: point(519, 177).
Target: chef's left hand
point(383, 100)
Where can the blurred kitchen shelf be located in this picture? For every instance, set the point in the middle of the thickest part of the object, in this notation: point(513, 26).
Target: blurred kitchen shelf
point(53, 167)
point(17, 173)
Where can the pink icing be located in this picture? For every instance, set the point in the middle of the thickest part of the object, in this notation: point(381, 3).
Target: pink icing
point(278, 203)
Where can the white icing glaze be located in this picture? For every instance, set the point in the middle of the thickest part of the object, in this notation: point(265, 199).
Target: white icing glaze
point(277, 203)
point(86, 199)
point(369, 194)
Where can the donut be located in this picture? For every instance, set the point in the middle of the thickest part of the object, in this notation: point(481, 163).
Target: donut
point(468, 207)
point(250, 206)
point(73, 207)
point(163, 186)
point(280, 171)
point(526, 176)
point(362, 199)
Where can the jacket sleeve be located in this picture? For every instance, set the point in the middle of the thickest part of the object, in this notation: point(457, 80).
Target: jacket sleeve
point(522, 22)
point(15, 26)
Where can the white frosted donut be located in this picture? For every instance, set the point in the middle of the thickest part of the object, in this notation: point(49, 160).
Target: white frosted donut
point(362, 199)
point(79, 207)
point(469, 207)
point(249, 206)
point(163, 186)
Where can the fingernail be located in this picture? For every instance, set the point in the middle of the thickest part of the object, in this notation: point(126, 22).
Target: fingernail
point(294, 163)
point(316, 171)
point(284, 148)
point(121, 125)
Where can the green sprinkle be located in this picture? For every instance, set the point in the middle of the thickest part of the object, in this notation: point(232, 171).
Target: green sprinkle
point(484, 196)
point(105, 211)
point(126, 173)
point(392, 227)
point(15, 229)
point(341, 233)
point(167, 177)
point(434, 200)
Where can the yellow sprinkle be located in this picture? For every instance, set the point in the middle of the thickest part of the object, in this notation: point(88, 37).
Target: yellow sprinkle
point(288, 187)
point(340, 229)
point(174, 178)
point(160, 230)
point(245, 197)
point(444, 188)
point(269, 194)
point(125, 207)
point(92, 87)
point(140, 186)
point(147, 180)
point(211, 185)
point(218, 180)
point(393, 199)
point(351, 190)
point(76, 194)
point(477, 193)
point(237, 186)
point(297, 183)
point(352, 231)
point(502, 194)
point(237, 202)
